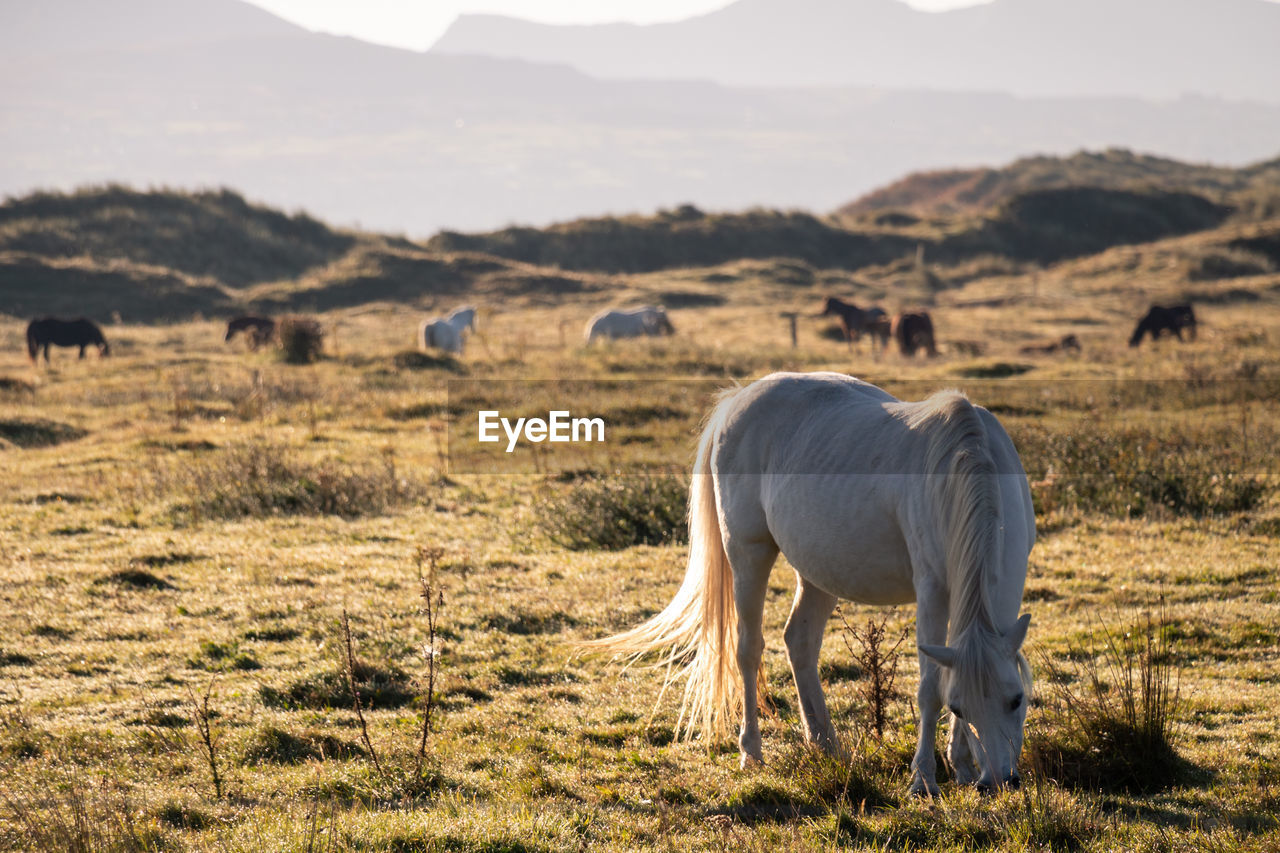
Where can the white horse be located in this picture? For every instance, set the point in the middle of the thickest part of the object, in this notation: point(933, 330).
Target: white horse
point(447, 333)
point(634, 323)
point(874, 500)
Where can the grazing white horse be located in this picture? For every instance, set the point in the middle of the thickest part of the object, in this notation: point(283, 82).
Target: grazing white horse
point(874, 500)
point(447, 333)
point(634, 323)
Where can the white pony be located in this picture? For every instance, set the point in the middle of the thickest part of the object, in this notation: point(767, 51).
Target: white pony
point(447, 333)
point(634, 323)
point(870, 499)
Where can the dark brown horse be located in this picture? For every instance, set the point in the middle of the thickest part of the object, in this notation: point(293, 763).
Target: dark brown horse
point(914, 331)
point(854, 320)
point(1165, 318)
point(257, 330)
point(79, 332)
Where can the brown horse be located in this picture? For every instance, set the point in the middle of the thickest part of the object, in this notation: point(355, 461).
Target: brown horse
point(1165, 318)
point(79, 332)
point(914, 331)
point(854, 320)
point(257, 330)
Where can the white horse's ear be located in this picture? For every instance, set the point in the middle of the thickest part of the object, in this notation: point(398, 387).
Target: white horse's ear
point(1019, 632)
point(940, 654)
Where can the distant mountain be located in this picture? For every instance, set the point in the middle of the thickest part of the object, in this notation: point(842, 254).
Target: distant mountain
point(1144, 48)
point(218, 93)
point(981, 190)
point(61, 27)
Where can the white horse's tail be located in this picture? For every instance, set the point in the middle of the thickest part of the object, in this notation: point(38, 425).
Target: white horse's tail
point(696, 635)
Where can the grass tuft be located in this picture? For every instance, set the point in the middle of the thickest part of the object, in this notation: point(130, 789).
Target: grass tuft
point(38, 432)
point(270, 744)
point(134, 579)
point(380, 687)
point(1116, 730)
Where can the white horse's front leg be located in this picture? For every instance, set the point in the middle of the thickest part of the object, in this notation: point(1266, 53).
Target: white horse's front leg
point(931, 629)
point(960, 754)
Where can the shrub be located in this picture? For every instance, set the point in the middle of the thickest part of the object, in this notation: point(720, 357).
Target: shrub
point(301, 339)
point(258, 479)
point(617, 513)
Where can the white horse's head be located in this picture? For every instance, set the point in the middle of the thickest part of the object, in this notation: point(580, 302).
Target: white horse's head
point(986, 683)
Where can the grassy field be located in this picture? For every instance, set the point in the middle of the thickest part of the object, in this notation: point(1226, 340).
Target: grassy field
point(185, 525)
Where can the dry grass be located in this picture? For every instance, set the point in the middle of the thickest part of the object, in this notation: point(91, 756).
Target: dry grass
point(532, 748)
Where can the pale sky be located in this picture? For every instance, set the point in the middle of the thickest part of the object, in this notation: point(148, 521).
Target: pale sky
point(416, 24)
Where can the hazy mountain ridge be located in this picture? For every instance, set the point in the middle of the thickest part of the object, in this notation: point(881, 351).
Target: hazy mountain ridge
point(395, 140)
point(1029, 47)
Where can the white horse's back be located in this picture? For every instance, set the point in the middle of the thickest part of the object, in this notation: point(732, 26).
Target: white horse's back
point(815, 451)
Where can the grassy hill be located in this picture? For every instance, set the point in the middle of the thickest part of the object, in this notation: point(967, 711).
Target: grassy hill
point(683, 237)
point(983, 190)
point(163, 255)
point(215, 234)
point(1041, 225)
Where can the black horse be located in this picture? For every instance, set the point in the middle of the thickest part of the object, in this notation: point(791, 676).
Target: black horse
point(64, 333)
point(1165, 318)
point(258, 330)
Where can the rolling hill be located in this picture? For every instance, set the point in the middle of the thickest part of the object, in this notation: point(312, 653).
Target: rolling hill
point(166, 255)
point(977, 190)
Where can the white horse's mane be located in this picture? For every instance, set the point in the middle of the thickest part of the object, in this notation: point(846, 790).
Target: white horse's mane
point(962, 477)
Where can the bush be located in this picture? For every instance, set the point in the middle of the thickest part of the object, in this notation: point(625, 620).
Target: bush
point(301, 340)
point(259, 479)
point(617, 513)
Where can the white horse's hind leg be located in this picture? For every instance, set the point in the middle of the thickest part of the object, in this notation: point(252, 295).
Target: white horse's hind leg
point(805, 626)
point(751, 564)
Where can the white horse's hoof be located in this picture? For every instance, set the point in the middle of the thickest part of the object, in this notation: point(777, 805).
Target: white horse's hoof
point(748, 762)
point(925, 789)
